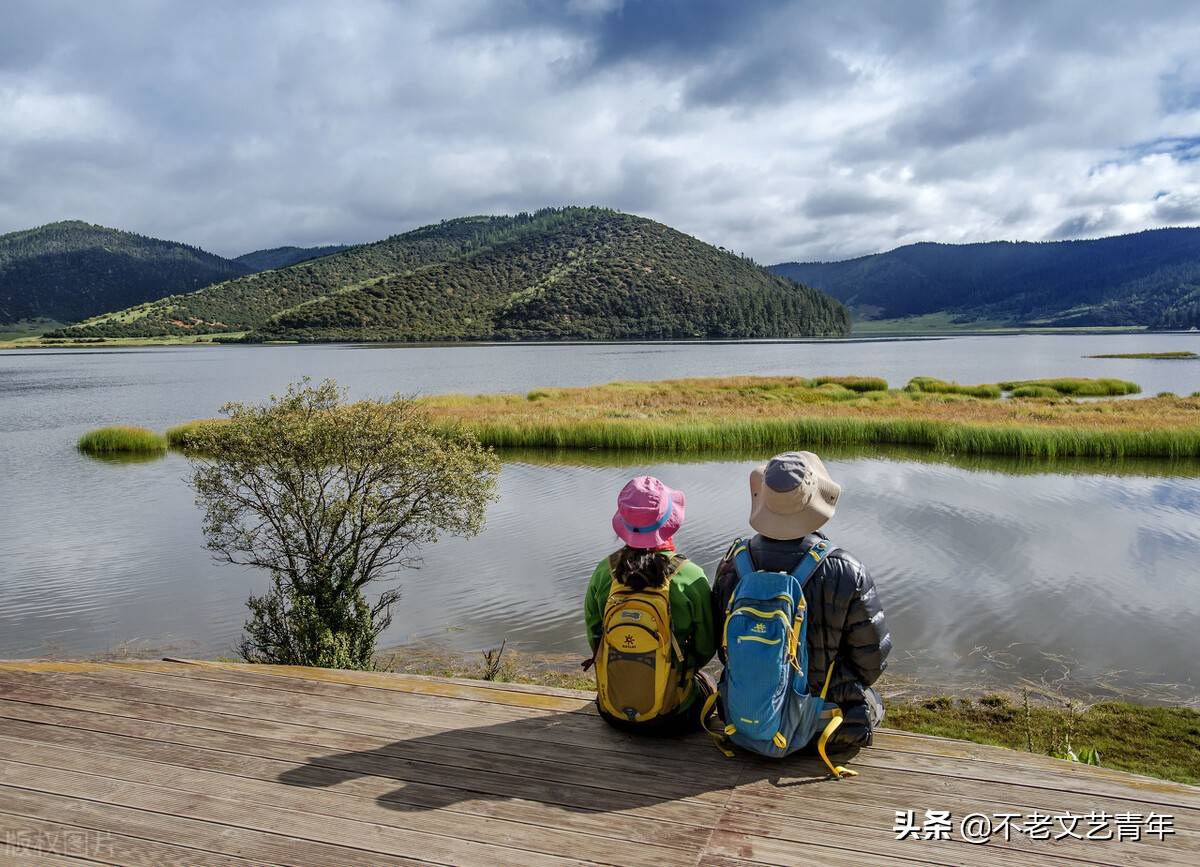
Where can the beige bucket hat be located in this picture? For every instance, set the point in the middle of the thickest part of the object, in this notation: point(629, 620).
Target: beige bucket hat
point(792, 495)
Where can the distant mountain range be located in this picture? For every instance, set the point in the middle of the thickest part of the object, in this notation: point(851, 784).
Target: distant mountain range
point(72, 270)
point(281, 257)
point(559, 273)
point(1150, 278)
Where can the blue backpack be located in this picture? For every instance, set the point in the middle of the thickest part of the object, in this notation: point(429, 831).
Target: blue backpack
point(764, 688)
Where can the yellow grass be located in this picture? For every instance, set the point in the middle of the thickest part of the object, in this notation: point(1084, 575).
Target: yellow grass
point(787, 412)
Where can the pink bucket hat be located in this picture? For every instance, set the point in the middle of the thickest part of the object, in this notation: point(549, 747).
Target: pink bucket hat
point(648, 513)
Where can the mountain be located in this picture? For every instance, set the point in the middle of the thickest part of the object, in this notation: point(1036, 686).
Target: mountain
point(72, 270)
point(559, 273)
point(1149, 278)
point(281, 257)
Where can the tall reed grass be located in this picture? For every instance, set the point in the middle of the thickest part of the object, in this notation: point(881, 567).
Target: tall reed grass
point(183, 436)
point(1076, 387)
point(930, 385)
point(122, 440)
point(1038, 391)
point(763, 434)
point(860, 384)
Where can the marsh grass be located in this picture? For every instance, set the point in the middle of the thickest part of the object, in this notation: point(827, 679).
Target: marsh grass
point(860, 384)
point(756, 414)
point(1077, 387)
point(122, 440)
point(759, 435)
point(750, 415)
point(1160, 355)
point(1035, 391)
point(183, 436)
point(1157, 741)
point(930, 385)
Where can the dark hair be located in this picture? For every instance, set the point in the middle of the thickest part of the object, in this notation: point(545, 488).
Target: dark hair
point(640, 568)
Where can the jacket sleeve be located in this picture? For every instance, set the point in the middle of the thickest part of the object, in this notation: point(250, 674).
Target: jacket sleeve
point(699, 597)
point(865, 634)
point(594, 601)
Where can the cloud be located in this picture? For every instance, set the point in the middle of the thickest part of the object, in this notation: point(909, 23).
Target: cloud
point(785, 130)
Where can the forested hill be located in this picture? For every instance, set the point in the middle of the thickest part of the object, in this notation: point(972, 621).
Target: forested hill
point(281, 257)
point(559, 273)
point(1150, 278)
point(72, 270)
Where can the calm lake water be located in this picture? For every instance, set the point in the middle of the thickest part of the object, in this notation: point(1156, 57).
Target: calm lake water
point(990, 572)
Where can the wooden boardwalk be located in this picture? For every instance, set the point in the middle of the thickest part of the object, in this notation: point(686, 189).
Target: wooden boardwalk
point(204, 763)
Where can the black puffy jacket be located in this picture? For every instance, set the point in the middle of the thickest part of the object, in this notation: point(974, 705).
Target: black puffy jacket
point(845, 625)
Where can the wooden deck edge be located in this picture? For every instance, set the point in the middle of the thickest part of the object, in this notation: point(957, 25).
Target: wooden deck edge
point(527, 695)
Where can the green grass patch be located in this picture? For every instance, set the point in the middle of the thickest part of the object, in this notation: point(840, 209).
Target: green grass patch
point(1035, 391)
point(122, 440)
point(183, 436)
point(1162, 355)
point(737, 414)
point(1079, 387)
point(1160, 742)
point(860, 384)
point(930, 385)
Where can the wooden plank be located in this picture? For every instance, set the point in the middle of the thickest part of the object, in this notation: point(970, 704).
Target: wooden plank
point(455, 760)
point(353, 765)
point(232, 842)
point(886, 739)
point(481, 766)
point(63, 842)
point(1078, 781)
point(352, 834)
point(928, 746)
point(876, 822)
point(793, 848)
point(382, 789)
point(322, 804)
point(570, 729)
point(907, 791)
point(540, 738)
point(801, 773)
point(827, 856)
point(495, 694)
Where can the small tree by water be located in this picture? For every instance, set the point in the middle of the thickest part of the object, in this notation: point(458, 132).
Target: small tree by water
point(329, 497)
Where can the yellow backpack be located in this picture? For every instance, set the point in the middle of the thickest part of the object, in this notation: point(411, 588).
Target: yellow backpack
point(640, 669)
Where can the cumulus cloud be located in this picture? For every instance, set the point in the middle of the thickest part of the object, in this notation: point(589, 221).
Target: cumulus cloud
point(785, 130)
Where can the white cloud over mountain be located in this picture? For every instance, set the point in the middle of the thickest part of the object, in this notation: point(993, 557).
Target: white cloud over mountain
point(783, 130)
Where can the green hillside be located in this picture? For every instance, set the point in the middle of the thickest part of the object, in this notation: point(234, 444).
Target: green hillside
point(281, 257)
point(72, 270)
point(1149, 279)
point(570, 273)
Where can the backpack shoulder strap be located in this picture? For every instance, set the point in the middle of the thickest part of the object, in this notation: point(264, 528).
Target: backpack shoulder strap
point(811, 561)
point(743, 563)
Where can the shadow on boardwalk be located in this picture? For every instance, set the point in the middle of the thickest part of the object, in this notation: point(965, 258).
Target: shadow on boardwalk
point(572, 760)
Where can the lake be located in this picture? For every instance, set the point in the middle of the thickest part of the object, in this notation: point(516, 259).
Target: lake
point(1081, 575)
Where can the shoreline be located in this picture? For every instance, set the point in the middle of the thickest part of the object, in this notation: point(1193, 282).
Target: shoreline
point(856, 335)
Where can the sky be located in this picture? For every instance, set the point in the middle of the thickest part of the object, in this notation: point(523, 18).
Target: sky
point(782, 130)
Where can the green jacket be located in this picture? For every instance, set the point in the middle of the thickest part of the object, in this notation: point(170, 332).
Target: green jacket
point(691, 611)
